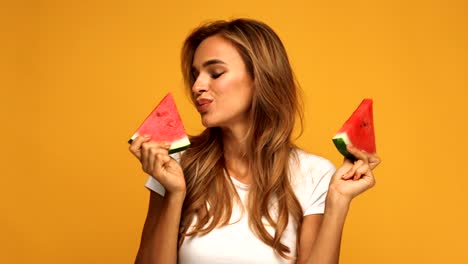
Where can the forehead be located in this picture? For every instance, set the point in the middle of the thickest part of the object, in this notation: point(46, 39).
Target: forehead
point(216, 47)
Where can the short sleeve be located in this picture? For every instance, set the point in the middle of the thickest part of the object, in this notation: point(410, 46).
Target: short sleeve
point(311, 179)
point(316, 201)
point(153, 185)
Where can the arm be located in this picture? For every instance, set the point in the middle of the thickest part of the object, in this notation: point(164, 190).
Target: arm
point(159, 241)
point(320, 237)
point(160, 232)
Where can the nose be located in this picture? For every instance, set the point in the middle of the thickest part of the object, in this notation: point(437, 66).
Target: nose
point(199, 86)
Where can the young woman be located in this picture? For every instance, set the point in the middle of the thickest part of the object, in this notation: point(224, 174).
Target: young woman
point(243, 192)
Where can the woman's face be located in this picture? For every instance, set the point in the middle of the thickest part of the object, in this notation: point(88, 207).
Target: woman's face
point(223, 88)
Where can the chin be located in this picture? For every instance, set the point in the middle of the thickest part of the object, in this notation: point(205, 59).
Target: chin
point(210, 122)
point(206, 122)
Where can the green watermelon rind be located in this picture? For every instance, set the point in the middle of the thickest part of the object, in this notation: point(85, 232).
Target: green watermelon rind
point(172, 151)
point(176, 146)
point(179, 145)
point(341, 140)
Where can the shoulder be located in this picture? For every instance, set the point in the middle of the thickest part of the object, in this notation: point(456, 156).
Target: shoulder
point(308, 164)
point(310, 176)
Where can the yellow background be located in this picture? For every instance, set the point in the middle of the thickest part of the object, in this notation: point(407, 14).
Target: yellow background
point(77, 77)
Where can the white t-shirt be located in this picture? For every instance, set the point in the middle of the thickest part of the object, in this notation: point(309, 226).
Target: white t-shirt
point(236, 243)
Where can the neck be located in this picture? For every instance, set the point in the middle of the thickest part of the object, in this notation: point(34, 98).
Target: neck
point(235, 153)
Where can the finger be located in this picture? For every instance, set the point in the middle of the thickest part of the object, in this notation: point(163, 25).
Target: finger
point(165, 159)
point(149, 152)
point(135, 146)
point(347, 161)
point(374, 160)
point(347, 166)
point(151, 158)
point(361, 170)
point(160, 164)
point(154, 151)
point(157, 152)
point(145, 148)
point(344, 168)
point(371, 180)
point(351, 172)
point(359, 154)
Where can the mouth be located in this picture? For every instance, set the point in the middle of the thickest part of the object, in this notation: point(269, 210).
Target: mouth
point(203, 104)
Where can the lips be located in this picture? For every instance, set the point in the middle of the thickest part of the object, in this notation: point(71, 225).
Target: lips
point(203, 104)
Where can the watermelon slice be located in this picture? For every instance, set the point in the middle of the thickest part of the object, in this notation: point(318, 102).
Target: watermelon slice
point(164, 125)
point(358, 130)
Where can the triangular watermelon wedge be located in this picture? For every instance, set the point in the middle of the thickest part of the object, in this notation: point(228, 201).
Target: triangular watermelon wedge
point(165, 125)
point(358, 130)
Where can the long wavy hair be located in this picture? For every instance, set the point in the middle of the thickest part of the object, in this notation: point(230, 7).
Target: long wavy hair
point(275, 107)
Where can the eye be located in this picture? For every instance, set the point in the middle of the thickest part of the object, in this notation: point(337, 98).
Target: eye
point(216, 75)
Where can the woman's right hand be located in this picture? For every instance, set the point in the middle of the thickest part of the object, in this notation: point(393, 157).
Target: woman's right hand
point(155, 161)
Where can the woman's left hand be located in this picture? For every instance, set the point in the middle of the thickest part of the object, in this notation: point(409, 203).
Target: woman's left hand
point(352, 179)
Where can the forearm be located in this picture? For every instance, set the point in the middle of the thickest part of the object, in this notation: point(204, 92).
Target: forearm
point(160, 238)
point(326, 249)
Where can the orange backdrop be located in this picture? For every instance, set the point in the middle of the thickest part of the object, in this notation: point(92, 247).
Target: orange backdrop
point(77, 78)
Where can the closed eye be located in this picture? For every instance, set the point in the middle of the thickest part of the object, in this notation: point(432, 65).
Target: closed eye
point(216, 75)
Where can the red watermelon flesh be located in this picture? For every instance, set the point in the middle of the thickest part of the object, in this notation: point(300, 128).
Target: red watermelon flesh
point(165, 125)
point(358, 130)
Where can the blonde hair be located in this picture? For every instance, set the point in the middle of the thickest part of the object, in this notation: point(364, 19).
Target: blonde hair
point(275, 106)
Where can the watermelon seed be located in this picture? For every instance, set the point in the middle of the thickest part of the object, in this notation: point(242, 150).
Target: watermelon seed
point(170, 123)
point(364, 124)
point(163, 113)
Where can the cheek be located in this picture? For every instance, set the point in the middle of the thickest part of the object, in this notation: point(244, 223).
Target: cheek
point(225, 85)
point(234, 86)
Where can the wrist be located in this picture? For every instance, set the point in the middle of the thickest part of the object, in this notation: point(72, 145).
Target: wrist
point(175, 196)
point(337, 201)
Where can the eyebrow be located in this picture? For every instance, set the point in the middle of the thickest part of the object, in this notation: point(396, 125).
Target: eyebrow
point(211, 62)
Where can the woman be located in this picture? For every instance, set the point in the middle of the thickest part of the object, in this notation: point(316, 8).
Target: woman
point(243, 192)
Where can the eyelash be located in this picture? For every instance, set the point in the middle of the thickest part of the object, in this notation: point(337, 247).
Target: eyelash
point(213, 76)
point(217, 75)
